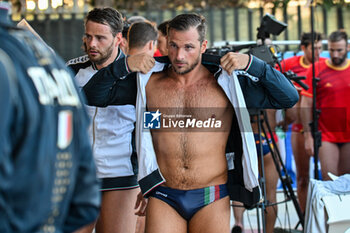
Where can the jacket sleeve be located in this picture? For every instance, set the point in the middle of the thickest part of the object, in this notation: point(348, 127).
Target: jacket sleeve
point(112, 85)
point(5, 132)
point(270, 88)
point(85, 201)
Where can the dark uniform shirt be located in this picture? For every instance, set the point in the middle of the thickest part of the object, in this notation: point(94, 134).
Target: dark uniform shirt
point(47, 175)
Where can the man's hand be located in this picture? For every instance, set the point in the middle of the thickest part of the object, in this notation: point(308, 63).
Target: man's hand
point(309, 144)
point(234, 61)
point(140, 62)
point(140, 205)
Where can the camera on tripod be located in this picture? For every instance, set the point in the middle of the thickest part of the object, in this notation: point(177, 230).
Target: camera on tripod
point(266, 52)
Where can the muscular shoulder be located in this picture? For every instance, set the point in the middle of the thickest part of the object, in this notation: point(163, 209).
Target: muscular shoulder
point(79, 63)
point(158, 78)
point(158, 75)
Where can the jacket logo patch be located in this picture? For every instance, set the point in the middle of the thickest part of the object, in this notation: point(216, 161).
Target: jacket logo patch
point(65, 129)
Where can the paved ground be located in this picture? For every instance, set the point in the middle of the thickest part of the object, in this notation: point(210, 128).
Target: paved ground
point(286, 221)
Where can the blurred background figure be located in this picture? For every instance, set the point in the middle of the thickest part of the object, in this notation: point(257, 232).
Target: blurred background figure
point(48, 177)
point(127, 23)
point(299, 65)
point(162, 49)
point(333, 94)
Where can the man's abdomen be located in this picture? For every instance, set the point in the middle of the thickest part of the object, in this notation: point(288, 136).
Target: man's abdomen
point(191, 160)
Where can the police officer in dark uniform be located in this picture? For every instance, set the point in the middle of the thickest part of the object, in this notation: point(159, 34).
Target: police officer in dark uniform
point(47, 175)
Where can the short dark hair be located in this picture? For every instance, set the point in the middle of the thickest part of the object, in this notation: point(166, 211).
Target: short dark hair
point(163, 27)
point(141, 33)
point(338, 36)
point(305, 38)
point(184, 21)
point(126, 29)
point(107, 16)
point(128, 22)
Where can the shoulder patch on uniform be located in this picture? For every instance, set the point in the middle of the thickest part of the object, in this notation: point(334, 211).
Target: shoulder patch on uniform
point(81, 59)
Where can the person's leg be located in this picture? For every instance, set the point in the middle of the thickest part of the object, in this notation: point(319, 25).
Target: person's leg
point(117, 212)
point(140, 224)
point(212, 218)
point(86, 229)
point(344, 159)
point(329, 159)
point(302, 163)
point(238, 216)
point(162, 218)
point(271, 177)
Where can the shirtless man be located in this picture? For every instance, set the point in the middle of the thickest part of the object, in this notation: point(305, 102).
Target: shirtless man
point(183, 157)
point(182, 170)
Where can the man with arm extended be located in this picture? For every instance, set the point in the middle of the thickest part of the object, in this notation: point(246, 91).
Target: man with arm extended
point(182, 166)
point(333, 100)
point(111, 131)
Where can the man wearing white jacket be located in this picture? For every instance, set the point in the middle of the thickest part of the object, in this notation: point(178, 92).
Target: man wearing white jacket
point(183, 128)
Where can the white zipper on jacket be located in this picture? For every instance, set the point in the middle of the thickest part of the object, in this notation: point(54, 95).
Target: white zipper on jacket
point(93, 130)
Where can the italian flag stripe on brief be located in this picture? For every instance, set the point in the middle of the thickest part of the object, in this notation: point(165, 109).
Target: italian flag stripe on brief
point(211, 194)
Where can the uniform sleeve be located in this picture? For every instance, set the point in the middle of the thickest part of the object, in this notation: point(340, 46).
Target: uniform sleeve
point(6, 166)
point(110, 87)
point(85, 202)
point(272, 90)
point(5, 116)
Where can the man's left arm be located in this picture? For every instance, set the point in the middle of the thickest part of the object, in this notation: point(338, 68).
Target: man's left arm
point(264, 86)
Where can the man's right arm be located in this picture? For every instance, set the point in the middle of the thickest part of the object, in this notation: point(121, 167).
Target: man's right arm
point(306, 112)
point(116, 84)
point(306, 118)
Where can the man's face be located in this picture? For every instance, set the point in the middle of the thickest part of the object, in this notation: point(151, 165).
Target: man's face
point(338, 52)
point(100, 43)
point(184, 50)
point(308, 51)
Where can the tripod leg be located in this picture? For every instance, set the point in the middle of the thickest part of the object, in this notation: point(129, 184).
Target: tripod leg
point(286, 180)
point(271, 178)
point(262, 173)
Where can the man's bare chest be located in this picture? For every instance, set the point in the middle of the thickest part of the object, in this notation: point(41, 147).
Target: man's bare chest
point(203, 102)
point(195, 96)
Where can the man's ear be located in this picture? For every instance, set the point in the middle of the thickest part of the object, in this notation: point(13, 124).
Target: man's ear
point(118, 39)
point(204, 46)
point(151, 45)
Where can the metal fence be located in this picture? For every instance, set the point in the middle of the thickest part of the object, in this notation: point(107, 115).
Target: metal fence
point(63, 30)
